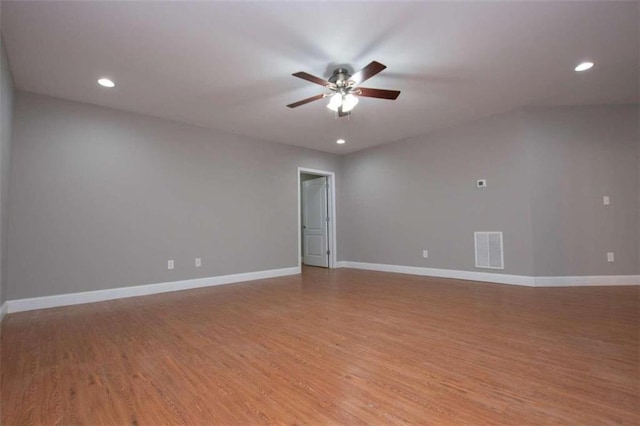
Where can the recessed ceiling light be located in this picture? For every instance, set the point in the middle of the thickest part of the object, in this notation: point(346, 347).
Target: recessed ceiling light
point(340, 141)
point(584, 66)
point(105, 82)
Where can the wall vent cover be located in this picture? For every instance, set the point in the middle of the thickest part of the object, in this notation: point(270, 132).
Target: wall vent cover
point(489, 250)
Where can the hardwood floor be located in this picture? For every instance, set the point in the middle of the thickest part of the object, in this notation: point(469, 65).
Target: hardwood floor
point(330, 347)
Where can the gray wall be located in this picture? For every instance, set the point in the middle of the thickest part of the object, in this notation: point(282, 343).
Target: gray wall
point(401, 198)
point(579, 155)
point(102, 199)
point(547, 171)
point(6, 124)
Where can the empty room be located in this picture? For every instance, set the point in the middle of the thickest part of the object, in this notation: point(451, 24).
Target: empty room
point(319, 212)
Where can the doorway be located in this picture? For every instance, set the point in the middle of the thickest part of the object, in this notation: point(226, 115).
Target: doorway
point(316, 218)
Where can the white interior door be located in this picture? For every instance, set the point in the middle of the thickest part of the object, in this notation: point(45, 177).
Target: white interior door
point(314, 222)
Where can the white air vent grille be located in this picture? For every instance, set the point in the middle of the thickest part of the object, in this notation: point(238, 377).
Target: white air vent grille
point(489, 250)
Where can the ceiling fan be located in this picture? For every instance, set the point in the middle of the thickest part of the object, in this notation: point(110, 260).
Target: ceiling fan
point(344, 88)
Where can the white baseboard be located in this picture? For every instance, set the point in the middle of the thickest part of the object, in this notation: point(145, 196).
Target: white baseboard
point(598, 280)
point(524, 280)
point(33, 303)
point(29, 304)
point(444, 273)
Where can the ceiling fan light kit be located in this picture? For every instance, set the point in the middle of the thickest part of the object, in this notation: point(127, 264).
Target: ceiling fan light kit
point(344, 88)
point(347, 102)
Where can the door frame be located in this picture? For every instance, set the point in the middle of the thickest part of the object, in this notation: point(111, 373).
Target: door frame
point(331, 180)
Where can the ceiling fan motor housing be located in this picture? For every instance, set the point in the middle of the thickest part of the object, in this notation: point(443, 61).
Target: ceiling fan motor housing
point(340, 77)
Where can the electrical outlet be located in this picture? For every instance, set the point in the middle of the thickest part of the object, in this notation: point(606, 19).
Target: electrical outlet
point(425, 253)
point(605, 200)
point(198, 262)
point(170, 264)
point(610, 257)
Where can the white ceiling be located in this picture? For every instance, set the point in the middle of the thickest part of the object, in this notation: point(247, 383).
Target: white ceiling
point(228, 65)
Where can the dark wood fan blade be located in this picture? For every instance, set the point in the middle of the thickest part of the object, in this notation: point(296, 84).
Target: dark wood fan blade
point(378, 93)
point(342, 113)
point(367, 72)
point(306, 101)
point(312, 78)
